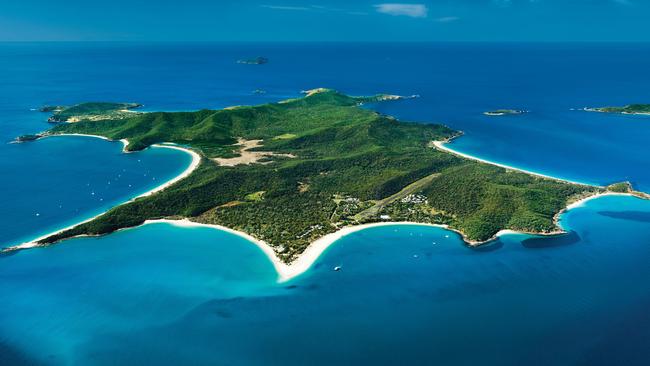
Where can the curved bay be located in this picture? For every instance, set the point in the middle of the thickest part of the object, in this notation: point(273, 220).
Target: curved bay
point(207, 296)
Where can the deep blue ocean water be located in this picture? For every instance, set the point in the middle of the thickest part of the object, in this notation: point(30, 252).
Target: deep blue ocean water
point(168, 295)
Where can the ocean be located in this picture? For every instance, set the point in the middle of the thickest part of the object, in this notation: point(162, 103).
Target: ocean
point(404, 295)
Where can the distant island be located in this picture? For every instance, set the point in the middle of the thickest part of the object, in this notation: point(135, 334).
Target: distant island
point(254, 61)
point(388, 97)
point(504, 112)
point(90, 112)
point(291, 172)
point(643, 109)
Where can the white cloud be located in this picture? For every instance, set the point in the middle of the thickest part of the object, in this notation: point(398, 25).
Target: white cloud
point(409, 10)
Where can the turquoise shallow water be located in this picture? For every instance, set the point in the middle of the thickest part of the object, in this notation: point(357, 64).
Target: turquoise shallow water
point(168, 295)
point(68, 294)
point(405, 294)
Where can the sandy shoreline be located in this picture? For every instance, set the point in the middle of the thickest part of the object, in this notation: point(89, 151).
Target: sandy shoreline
point(305, 260)
point(581, 203)
point(123, 141)
point(441, 145)
point(288, 271)
point(196, 160)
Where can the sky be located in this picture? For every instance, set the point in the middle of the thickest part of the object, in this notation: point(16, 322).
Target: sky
point(325, 20)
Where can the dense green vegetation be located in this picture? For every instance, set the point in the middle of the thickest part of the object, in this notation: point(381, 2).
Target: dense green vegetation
point(90, 111)
point(485, 199)
point(622, 187)
point(344, 161)
point(631, 109)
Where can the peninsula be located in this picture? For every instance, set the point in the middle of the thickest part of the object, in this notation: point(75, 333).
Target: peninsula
point(292, 172)
point(643, 109)
point(90, 112)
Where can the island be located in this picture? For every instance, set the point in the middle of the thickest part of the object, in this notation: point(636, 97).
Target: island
point(254, 61)
point(91, 112)
point(642, 109)
point(504, 112)
point(291, 172)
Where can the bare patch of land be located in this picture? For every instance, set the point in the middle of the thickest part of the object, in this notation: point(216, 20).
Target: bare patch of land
point(246, 156)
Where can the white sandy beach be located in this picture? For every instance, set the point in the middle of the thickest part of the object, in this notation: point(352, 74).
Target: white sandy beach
point(299, 266)
point(196, 160)
point(123, 141)
point(441, 145)
point(582, 202)
point(307, 258)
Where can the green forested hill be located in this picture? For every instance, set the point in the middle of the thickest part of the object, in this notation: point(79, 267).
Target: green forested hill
point(331, 160)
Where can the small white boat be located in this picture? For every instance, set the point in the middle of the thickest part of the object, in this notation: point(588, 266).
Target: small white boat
point(337, 268)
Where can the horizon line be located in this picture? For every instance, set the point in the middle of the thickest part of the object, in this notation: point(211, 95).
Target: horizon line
point(334, 41)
